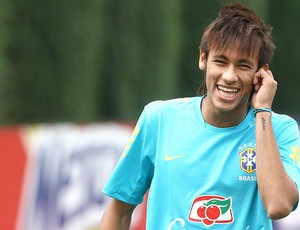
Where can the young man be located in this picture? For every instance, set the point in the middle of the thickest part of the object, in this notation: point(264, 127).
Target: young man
point(222, 160)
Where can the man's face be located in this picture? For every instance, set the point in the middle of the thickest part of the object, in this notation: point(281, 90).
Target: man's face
point(229, 79)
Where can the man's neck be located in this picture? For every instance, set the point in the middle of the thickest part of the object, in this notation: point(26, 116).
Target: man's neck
point(222, 119)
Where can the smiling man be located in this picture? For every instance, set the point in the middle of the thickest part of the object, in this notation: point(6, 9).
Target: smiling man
point(222, 159)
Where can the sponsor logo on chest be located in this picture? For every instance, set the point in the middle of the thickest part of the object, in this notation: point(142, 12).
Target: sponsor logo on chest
point(211, 209)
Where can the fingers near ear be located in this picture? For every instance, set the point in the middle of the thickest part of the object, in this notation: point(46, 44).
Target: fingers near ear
point(265, 67)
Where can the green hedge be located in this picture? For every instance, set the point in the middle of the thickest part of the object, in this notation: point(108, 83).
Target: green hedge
point(97, 60)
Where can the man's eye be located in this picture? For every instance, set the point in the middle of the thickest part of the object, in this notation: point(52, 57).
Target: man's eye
point(218, 61)
point(245, 66)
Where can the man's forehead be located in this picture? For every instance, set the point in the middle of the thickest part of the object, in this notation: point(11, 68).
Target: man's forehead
point(236, 52)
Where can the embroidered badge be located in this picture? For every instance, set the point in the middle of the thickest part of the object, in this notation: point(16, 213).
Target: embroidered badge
point(248, 160)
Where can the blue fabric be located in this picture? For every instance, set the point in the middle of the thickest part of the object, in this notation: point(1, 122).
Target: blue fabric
point(200, 176)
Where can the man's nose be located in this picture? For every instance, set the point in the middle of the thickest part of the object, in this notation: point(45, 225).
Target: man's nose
point(230, 74)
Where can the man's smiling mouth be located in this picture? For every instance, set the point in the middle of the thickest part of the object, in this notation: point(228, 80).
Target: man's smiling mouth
point(227, 92)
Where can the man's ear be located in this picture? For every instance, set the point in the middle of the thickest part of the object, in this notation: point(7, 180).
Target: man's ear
point(202, 61)
point(265, 67)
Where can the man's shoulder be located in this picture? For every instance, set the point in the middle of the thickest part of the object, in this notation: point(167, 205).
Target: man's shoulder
point(177, 103)
point(172, 108)
point(283, 121)
point(282, 118)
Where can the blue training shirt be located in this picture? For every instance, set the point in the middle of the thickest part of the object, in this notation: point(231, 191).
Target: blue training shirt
point(199, 176)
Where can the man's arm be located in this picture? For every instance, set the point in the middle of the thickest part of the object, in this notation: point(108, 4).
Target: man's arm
point(117, 216)
point(278, 191)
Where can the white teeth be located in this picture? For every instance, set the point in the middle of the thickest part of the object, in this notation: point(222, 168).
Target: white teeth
point(227, 92)
point(227, 89)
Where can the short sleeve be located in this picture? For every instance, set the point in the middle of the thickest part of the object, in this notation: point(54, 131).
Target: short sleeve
point(133, 173)
point(288, 142)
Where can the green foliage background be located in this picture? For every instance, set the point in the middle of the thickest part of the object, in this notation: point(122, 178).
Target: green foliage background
point(98, 60)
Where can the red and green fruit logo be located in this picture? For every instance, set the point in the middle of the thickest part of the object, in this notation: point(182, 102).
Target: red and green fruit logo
point(211, 210)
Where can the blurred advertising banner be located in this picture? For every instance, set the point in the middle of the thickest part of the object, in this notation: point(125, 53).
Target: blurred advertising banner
point(52, 175)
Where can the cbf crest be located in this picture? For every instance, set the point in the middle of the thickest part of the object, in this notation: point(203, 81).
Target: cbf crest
point(248, 160)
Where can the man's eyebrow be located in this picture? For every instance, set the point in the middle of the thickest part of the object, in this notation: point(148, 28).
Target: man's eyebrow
point(220, 56)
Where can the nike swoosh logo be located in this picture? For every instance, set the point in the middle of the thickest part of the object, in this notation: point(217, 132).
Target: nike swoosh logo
point(170, 158)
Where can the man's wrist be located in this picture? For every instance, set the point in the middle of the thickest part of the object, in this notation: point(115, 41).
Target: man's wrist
point(262, 110)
